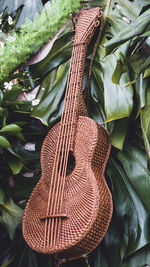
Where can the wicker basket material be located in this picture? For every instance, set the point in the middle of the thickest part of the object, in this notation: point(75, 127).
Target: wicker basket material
point(87, 201)
point(70, 208)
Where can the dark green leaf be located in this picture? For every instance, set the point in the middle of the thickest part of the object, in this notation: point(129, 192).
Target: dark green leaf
point(107, 254)
point(59, 53)
point(8, 262)
point(95, 109)
point(23, 154)
point(141, 88)
point(1, 96)
point(23, 187)
point(11, 214)
point(135, 164)
point(136, 28)
point(5, 249)
point(132, 214)
point(11, 94)
point(32, 259)
point(1, 111)
point(52, 101)
point(145, 124)
point(46, 84)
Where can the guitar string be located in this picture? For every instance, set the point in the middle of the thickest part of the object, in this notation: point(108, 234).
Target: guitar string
point(64, 168)
point(62, 182)
point(47, 221)
point(56, 162)
point(80, 77)
point(54, 206)
point(65, 145)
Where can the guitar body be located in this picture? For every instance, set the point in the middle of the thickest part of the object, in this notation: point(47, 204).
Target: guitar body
point(87, 201)
point(69, 210)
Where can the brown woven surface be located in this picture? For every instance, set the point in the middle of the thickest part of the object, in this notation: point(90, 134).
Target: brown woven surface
point(70, 208)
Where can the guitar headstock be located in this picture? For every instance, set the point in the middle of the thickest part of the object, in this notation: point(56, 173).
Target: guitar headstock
point(85, 28)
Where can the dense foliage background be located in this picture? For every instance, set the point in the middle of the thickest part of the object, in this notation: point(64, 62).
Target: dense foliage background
point(118, 97)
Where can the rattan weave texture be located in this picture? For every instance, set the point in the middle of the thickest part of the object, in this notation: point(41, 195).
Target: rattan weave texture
point(70, 208)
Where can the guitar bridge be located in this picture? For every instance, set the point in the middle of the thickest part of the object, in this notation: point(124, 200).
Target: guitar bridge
point(63, 216)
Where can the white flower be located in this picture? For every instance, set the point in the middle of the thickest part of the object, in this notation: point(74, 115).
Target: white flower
point(43, 89)
point(35, 102)
point(10, 21)
point(8, 85)
point(28, 174)
point(29, 146)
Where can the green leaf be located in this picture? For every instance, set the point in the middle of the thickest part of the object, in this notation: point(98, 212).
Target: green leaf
point(32, 259)
point(59, 53)
point(4, 142)
point(131, 199)
point(11, 214)
point(8, 262)
point(119, 133)
point(118, 98)
point(15, 164)
point(1, 96)
point(28, 9)
point(23, 154)
point(135, 164)
point(94, 106)
point(136, 28)
point(7, 6)
point(5, 249)
point(147, 72)
point(119, 70)
point(11, 94)
point(2, 197)
point(11, 128)
point(141, 86)
point(145, 124)
point(116, 18)
point(52, 101)
point(1, 111)
point(46, 84)
point(107, 253)
point(23, 107)
point(23, 187)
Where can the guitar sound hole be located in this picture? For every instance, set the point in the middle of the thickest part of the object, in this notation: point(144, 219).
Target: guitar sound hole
point(70, 164)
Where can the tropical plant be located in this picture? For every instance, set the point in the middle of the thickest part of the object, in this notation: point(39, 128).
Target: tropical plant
point(118, 97)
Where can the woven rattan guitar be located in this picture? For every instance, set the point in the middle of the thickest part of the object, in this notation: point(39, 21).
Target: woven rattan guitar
point(70, 208)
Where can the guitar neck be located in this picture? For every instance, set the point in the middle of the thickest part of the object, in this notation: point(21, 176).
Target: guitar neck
point(74, 87)
point(74, 105)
